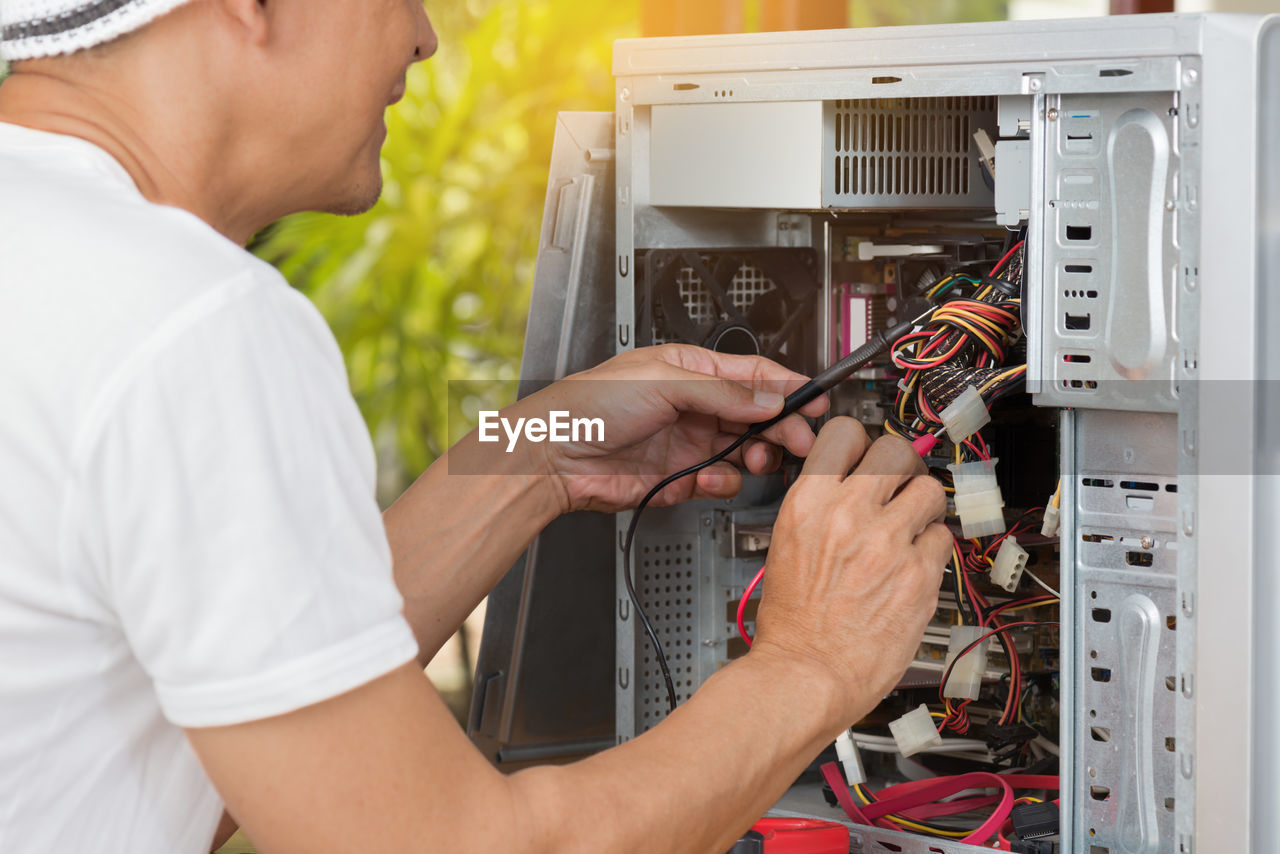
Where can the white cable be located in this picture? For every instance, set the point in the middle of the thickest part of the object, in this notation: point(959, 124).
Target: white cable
point(1037, 580)
point(850, 761)
point(885, 744)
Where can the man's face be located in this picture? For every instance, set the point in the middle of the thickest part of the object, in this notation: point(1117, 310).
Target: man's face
point(346, 64)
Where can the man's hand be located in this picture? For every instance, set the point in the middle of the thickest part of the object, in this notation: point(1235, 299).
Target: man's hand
point(666, 408)
point(855, 563)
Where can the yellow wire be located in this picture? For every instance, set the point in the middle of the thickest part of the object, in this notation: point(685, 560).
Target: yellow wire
point(1029, 605)
point(908, 823)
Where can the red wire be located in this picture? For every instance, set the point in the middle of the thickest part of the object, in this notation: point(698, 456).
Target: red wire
point(742, 605)
point(1006, 257)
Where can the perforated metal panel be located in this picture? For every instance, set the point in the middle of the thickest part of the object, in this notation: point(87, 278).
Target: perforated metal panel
point(895, 152)
point(666, 582)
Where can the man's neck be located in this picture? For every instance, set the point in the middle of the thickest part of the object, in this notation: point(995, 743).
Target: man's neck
point(168, 168)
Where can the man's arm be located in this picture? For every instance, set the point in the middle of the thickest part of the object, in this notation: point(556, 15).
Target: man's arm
point(853, 578)
point(469, 516)
point(453, 537)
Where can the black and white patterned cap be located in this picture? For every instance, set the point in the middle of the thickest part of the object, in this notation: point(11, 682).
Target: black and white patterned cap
point(35, 28)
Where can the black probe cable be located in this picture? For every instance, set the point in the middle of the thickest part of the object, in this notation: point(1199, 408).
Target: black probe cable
point(820, 384)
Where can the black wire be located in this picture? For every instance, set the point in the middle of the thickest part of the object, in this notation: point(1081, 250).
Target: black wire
point(626, 558)
point(823, 382)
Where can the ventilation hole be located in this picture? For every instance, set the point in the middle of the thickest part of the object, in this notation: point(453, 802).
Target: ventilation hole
point(1100, 674)
point(1171, 623)
point(1099, 793)
point(1100, 733)
point(1171, 682)
point(1100, 482)
point(1078, 268)
point(1098, 849)
point(1138, 558)
point(1168, 804)
point(1144, 485)
point(1076, 358)
point(1079, 232)
point(684, 87)
point(1102, 615)
point(1093, 653)
point(888, 846)
point(886, 79)
point(1115, 72)
point(1091, 294)
point(1078, 322)
point(1171, 487)
point(1171, 744)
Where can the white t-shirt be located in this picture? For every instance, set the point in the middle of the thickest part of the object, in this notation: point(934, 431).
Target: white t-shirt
point(188, 533)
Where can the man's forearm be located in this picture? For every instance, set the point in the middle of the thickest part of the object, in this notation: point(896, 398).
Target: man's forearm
point(696, 782)
point(459, 528)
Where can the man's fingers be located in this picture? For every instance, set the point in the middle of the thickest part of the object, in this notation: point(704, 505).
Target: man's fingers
point(935, 542)
point(721, 480)
point(919, 503)
point(792, 433)
point(761, 457)
point(755, 372)
point(839, 446)
point(887, 465)
point(724, 399)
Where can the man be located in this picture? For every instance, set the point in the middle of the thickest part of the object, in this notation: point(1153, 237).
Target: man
point(197, 604)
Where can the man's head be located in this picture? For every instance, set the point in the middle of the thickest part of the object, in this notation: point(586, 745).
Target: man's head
point(241, 110)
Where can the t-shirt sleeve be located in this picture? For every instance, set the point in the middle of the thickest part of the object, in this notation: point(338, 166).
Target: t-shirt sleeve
point(224, 493)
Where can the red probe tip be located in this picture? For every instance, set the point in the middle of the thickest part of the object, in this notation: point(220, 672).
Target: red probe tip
point(924, 444)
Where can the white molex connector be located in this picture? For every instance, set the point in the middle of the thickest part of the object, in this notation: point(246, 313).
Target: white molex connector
point(965, 680)
point(1051, 516)
point(1006, 572)
point(915, 731)
point(850, 760)
point(966, 415)
point(979, 503)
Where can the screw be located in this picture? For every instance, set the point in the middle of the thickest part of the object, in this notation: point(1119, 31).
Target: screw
point(1053, 114)
point(1169, 205)
point(1147, 543)
point(624, 94)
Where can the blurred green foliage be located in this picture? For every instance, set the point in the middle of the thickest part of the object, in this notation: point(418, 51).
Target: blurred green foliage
point(890, 13)
point(428, 292)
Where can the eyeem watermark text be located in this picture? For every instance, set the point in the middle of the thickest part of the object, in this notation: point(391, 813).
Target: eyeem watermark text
point(557, 427)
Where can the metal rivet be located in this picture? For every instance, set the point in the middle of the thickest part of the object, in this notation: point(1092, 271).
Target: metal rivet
point(1169, 205)
point(1034, 84)
point(624, 94)
point(1190, 76)
point(1053, 111)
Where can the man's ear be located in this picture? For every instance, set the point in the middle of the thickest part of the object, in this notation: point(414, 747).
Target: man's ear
point(251, 17)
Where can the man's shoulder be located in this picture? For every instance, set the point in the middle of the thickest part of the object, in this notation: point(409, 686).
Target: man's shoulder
point(72, 220)
point(95, 277)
